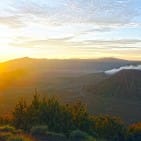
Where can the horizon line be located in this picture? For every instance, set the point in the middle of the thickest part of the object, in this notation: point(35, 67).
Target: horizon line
point(44, 58)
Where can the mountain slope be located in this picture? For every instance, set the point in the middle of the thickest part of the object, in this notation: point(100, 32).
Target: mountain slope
point(69, 79)
point(119, 95)
point(125, 84)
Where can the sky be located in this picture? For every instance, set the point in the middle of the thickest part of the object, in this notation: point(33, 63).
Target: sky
point(65, 29)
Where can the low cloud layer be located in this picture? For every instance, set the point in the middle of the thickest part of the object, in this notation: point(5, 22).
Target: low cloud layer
point(116, 70)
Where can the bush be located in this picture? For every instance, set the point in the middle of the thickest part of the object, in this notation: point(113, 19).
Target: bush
point(58, 117)
point(39, 130)
point(65, 119)
point(7, 128)
point(5, 119)
point(19, 138)
point(4, 136)
point(51, 136)
point(110, 128)
point(7, 136)
point(55, 134)
point(134, 132)
point(78, 135)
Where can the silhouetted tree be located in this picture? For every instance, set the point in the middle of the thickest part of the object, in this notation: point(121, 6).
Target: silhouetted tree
point(20, 115)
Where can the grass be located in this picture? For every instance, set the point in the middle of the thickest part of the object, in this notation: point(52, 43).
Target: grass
point(9, 133)
point(7, 136)
point(19, 138)
point(7, 128)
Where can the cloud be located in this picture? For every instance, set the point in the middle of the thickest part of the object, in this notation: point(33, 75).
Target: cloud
point(41, 43)
point(11, 21)
point(101, 12)
point(129, 67)
point(121, 41)
point(124, 44)
point(83, 17)
point(91, 11)
point(87, 26)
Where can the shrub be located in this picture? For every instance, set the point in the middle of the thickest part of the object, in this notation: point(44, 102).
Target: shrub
point(5, 119)
point(110, 128)
point(4, 136)
point(39, 130)
point(7, 128)
point(134, 132)
point(19, 138)
point(20, 115)
point(78, 135)
point(55, 134)
point(8, 136)
point(59, 118)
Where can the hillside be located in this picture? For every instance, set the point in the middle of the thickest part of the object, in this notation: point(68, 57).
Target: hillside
point(126, 83)
point(71, 80)
point(120, 95)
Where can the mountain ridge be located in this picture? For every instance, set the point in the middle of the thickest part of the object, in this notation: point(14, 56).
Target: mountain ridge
point(68, 65)
point(122, 84)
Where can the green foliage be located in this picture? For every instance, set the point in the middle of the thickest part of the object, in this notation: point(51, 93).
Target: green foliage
point(81, 117)
point(19, 138)
point(55, 135)
point(5, 136)
point(58, 118)
point(134, 132)
point(111, 128)
point(20, 115)
point(44, 115)
point(7, 128)
point(9, 136)
point(78, 135)
point(39, 130)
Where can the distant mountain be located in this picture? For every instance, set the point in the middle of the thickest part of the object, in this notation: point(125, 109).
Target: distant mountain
point(74, 79)
point(125, 84)
point(72, 66)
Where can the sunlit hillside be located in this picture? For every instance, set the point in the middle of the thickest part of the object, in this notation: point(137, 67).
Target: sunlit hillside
point(71, 80)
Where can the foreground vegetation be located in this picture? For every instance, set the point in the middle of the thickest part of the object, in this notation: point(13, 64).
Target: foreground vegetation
point(48, 118)
point(9, 133)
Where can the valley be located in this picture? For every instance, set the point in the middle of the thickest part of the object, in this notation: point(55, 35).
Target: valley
point(70, 81)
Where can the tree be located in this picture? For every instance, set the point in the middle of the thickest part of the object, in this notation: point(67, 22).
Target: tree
point(19, 115)
point(111, 128)
point(81, 117)
point(33, 111)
